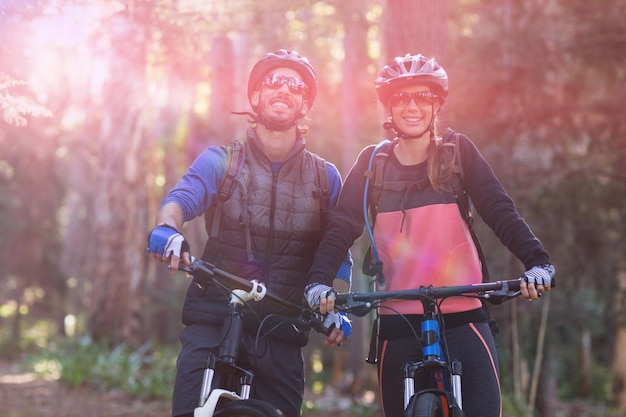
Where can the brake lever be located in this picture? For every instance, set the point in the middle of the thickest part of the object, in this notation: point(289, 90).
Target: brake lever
point(315, 320)
point(501, 295)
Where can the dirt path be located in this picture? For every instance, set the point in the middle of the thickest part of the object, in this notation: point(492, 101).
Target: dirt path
point(23, 394)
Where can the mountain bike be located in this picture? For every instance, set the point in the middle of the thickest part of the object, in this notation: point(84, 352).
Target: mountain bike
point(445, 399)
point(226, 384)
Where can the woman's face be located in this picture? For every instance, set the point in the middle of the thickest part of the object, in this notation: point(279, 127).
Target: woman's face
point(413, 108)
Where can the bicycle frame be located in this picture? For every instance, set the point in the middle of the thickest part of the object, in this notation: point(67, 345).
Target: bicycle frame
point(445, 373)
point(225, 361)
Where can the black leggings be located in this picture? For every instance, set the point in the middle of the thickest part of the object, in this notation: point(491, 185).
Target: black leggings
point(472, 344)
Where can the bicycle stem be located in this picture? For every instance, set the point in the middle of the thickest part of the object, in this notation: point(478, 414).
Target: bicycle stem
point(231, 334)
point(431, 345)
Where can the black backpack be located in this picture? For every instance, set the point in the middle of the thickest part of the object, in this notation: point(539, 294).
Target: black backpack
point(375, 184)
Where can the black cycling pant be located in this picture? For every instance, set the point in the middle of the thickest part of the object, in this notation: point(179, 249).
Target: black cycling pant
point(472, 344)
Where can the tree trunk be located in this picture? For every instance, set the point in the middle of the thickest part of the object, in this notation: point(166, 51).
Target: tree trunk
point(119, 231)
point(415, 26)
point(547, 395)
point(357, 87)
point(221, 123)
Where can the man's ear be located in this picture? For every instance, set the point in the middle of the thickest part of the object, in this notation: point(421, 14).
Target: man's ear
point(254, 98)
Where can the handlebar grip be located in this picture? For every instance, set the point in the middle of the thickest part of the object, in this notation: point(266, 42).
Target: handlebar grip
point(514, 284)
point(341, 298)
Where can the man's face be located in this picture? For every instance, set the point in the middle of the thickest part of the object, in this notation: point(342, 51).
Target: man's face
point(277, 100)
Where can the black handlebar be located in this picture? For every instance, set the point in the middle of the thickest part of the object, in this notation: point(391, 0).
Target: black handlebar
point(495, 292)
point(206, 272)
point(358, 304)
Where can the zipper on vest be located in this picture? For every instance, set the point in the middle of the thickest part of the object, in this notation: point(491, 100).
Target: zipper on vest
point(268, 251)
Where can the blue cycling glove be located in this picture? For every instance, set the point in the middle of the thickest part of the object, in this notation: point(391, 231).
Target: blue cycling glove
point(340, 321)
point(166, 241)
point(540, 275)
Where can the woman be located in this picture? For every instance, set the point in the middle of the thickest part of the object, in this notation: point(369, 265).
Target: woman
point(421, 238)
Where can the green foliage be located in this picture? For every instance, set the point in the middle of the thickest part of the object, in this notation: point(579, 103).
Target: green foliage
point(9, 347)
point(35, 337)
point(513, 407)
point(146, 372)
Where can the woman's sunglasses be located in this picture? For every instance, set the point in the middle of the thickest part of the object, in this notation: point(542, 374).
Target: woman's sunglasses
point(275, 81)
point(421, 99)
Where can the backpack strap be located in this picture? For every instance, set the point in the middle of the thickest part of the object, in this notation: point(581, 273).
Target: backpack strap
point(378, 169)
point(465, 202)
point(235, 155)
point(372, 265)
point(323, 190)
point(462, 199)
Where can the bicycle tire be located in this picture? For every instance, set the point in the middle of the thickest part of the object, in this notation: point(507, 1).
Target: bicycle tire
point(427, 405)
point(247, 408)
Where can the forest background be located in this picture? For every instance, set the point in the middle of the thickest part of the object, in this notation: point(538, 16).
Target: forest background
point(105, 103)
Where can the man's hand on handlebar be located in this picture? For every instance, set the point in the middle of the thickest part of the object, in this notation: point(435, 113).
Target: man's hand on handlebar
point(322, 298)
point(536, 281)
point(335, 338)
point(166, 244)
point(340, 326)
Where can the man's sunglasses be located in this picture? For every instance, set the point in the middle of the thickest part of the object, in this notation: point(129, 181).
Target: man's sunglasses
point(275, 81)
point(421, 99)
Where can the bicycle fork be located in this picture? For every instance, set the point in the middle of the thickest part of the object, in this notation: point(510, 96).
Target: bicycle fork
point(227, 357)
point(447, 379)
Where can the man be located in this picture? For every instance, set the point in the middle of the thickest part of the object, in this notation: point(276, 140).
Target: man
point(267, 229)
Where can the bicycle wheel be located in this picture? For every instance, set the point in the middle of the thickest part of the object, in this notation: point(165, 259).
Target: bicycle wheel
point(249, 408)
point(426, 405)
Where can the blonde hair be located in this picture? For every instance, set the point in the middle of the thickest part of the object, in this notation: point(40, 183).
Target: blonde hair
point(440, 163)
point(302, 129)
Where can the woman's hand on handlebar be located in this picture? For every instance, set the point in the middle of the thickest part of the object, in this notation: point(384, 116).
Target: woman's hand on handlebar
point(322, 297)
point(531, 291)
point(536, 281)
